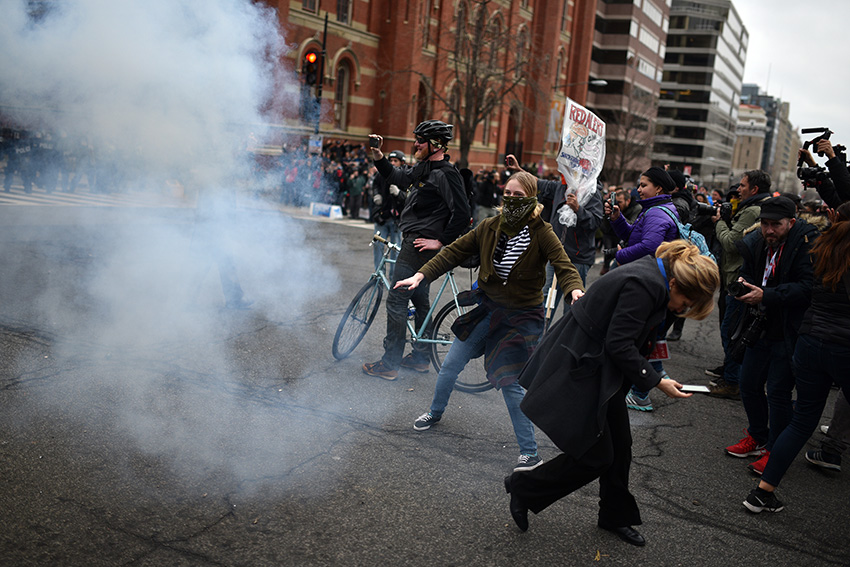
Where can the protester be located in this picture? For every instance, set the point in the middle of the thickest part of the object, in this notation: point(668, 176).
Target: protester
point(580, 374)
point(436, 211)
point(514, 248)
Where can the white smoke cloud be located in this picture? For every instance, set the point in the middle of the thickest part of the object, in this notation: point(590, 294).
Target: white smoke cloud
point(172, 89)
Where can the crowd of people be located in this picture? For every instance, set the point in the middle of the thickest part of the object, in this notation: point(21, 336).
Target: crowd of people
point(781, 270)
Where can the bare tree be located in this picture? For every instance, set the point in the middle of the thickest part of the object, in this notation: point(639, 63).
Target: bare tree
point(482, 66)
point(630, 133)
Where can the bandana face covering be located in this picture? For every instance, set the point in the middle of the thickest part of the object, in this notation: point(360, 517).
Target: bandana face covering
point(515, 214)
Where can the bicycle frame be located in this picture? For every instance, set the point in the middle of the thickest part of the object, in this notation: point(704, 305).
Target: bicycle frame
point(448, 280)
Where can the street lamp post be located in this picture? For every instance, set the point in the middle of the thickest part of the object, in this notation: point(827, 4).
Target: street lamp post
point(595, 83)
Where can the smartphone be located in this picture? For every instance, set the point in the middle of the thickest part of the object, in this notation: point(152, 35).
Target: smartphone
point(695, 388)
point(374, 143)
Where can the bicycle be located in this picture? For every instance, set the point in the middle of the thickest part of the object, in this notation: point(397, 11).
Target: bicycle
point(360, 314)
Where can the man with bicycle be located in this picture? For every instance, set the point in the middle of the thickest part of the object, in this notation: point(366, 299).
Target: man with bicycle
point(436, 211)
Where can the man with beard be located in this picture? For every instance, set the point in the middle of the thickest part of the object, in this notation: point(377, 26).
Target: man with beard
point(777, 274)
point(436, 211)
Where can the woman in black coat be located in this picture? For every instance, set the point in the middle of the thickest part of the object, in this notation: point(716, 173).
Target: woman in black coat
point(579, 376)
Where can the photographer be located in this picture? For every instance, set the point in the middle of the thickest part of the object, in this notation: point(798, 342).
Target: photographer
point(729, 230)
point(839, 192)
point(776, 283)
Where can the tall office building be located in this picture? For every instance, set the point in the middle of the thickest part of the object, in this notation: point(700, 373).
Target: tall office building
point(701, 89)
point(628, 52)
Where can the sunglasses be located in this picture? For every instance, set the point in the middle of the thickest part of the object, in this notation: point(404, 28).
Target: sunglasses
point(421, 140)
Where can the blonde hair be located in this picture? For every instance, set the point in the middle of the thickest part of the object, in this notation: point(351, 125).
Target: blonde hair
point(697, 277)
point(529, 184)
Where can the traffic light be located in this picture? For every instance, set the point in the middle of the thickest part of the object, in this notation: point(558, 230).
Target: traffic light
point(310, 68)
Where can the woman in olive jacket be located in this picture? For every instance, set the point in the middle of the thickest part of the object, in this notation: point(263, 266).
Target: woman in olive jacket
point(514, 248)
point(578, 377)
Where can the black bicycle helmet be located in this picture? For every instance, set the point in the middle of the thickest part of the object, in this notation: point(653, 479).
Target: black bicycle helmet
point(434, 130)
point(398, 155)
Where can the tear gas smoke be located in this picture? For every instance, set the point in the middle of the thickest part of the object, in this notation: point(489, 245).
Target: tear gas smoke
point(165, 90)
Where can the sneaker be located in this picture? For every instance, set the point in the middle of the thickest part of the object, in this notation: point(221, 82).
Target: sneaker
point(409, 362)
point(746, 447)
point(425, 421)
point(758, 500)
point(380, 370)
point(635, 402)
point(723, 389)
point(715, 372)
point(824, 460)
point(758, 466)
point(528, 462)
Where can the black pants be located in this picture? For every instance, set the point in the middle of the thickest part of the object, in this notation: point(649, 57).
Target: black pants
point(609, 460)
point(409, 261)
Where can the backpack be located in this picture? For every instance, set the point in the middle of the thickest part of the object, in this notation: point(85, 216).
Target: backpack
point(687, 232)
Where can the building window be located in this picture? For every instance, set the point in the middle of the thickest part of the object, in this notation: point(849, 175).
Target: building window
point(426, 24)
point(564, 15)
point(423, 106)
point(522, 52)
point(308, 6)
point(341, 97)
point(343, 11)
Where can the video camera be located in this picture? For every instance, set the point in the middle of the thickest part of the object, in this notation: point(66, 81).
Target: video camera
point(817, 176)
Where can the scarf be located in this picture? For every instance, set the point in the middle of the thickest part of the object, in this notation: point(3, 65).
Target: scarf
point(516, 212)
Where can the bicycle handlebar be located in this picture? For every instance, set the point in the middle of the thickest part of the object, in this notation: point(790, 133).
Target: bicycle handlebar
point(378, 238)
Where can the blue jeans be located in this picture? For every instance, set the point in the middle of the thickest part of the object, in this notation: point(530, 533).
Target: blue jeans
point(389, 230)
point(550, 275)
point(767, 363)
point(460, 353)
point(816, 364)
point(734, 311)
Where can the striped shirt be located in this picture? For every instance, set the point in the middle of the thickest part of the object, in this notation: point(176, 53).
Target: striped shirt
point(508, 251)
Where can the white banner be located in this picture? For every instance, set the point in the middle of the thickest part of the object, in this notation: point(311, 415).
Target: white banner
point(581, 155)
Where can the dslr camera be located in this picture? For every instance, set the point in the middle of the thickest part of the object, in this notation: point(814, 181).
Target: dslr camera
point(816, 176)
point(705, 209)
point(737, 289)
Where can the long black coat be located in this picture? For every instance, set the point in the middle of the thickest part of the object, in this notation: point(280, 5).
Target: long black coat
point(591, 352)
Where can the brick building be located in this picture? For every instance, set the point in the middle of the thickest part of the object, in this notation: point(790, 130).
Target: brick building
point(390, 64)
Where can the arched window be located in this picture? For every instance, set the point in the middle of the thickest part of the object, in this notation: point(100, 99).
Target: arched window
point(559, 68)
point(343, 78)
point(460, 37)
point(494, 40)
point(423, 104)
point(522, 52)
point(455, 104)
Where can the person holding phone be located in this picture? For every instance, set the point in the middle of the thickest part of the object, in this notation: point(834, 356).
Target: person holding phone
point(579, 375)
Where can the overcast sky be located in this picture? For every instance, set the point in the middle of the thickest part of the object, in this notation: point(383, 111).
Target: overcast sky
point(800, 52)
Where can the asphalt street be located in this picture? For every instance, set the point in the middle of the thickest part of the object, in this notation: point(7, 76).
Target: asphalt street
point(143, 424)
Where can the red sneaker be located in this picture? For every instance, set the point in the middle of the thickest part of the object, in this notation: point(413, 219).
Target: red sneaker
point(746, 447)
point(758, 466)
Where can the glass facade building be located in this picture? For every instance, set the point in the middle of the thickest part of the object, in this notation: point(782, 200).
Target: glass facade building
point(701, 89)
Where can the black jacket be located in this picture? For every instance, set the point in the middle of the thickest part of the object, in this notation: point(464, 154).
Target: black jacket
point(793, 292)
point(598, 347)
point(580, 239)
point(436, 205)
point(841, 181)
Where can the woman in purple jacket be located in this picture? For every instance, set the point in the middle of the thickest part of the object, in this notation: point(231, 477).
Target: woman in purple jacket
point(655, 224)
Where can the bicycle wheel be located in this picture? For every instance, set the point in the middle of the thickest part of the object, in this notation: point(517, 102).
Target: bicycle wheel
point(473, 379)
point(357, 318)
